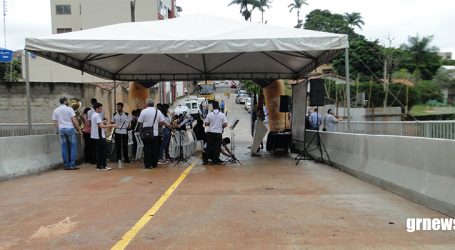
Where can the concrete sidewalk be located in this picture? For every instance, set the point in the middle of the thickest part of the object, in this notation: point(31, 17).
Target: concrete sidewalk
point(269, 203)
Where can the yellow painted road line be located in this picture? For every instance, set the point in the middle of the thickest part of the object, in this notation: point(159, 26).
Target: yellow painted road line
point(128, 237)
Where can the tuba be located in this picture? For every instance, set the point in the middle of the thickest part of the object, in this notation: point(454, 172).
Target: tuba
point(76, 105)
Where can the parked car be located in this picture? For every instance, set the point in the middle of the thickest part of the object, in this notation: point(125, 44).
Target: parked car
point(193, 108)
point(242, 91)
point(240, 99)
point(180, 109)
point(248, 104)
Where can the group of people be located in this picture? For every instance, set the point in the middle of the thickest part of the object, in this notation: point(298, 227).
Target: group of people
point(154, 124)
point(64, 118)
point(314, 120)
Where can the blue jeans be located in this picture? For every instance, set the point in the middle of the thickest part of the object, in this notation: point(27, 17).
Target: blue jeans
point(165, 144)
point(68, 141)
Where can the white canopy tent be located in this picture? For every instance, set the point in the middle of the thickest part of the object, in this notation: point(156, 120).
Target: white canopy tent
point(196, 47)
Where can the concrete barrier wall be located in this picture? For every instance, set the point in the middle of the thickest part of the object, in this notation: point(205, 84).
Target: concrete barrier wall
point(420, 169)
point(24, 155)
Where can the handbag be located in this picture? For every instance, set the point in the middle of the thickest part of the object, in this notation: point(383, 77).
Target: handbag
point(147, 132)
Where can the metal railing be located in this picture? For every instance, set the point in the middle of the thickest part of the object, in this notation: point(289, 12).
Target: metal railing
point(21, 129)
point(430, 129)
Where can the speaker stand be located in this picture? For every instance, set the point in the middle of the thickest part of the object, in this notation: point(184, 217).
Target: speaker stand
point(319, 146)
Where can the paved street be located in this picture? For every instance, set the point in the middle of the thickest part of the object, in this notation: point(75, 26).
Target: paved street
point(268, 203)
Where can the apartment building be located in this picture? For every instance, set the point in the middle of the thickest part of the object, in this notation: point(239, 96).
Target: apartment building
point(75, 15)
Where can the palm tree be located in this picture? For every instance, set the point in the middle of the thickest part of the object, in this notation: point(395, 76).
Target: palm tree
point(354, 19)
point(421, 58)
point(297, 4)
point(246, 13)
point(261, 5)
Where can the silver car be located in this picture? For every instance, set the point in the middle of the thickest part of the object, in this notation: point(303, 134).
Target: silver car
point(241, 98)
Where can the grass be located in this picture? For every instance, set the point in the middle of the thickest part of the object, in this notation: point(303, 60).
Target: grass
point(424, 110)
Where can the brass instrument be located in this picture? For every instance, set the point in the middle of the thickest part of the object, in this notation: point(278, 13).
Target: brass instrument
point(76, 105)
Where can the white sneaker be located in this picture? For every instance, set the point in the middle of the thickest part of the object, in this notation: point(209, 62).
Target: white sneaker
point(107, 168)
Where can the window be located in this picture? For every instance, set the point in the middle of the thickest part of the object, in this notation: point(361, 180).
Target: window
point(63, 30)
point(63, 9)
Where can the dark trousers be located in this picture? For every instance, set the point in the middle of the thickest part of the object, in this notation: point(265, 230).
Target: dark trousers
point(214, 146)
point(88, 149)
point(151, 151)
point(101, 152)
point(93, 146)
point(121, 142)
point(134, 146)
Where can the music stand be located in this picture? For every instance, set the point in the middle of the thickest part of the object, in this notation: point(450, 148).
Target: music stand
point(182, 124)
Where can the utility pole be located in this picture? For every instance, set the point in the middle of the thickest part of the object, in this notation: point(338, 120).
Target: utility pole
point(4, 37)
point(4, 22)
point(387, 60)
point(386, 84)
point(133, 11)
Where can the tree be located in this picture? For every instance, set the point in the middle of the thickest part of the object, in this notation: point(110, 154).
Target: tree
point(261, 5)
point(244, 4)
point(364, 60)
point(324, 20)
point(448, 62)
point(297, 4)
point(354, 19)
point(5, 69)
point(250, 86)
point(445, 78)
point(419, 58)
point(428, 90)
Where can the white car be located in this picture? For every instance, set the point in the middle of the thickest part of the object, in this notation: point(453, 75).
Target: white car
point(180, 109)
point(248, 104)
point(193, 108)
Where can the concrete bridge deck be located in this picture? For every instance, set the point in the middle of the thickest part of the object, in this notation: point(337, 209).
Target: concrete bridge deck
point(269, 203)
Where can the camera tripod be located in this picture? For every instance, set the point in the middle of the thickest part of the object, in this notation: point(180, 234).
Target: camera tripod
point(182, 157)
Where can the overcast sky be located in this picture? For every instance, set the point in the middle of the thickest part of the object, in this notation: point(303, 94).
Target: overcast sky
point(397, 19)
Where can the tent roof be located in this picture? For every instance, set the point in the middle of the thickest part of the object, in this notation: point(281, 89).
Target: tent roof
point(192, 47)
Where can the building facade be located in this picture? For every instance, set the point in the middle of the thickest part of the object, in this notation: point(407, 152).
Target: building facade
point(76, 15)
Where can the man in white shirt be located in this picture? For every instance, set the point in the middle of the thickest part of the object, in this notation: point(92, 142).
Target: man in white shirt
point(98, 135)
point(330, 121)
point(122, 120)
point(65, 121)
point(150, 119)
point(215, 121)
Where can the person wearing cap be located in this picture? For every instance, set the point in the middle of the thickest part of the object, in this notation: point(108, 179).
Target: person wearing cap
point(65, 121)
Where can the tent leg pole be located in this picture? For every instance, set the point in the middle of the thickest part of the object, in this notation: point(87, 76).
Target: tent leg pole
point(27, 91)
point(348, 91)
point(115, 96)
